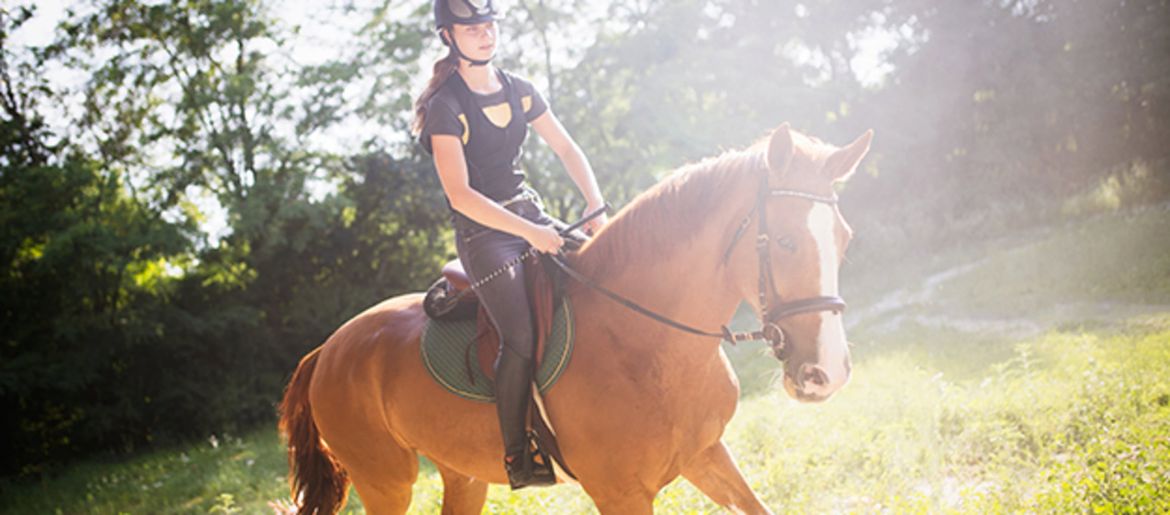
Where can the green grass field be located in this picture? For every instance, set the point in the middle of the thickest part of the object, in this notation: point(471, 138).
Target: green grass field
point(1029, 378)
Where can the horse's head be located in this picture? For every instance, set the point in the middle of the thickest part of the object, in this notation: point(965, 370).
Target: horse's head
point(797, 267)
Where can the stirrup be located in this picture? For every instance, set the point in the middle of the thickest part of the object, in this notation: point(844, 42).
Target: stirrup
point(529, 468)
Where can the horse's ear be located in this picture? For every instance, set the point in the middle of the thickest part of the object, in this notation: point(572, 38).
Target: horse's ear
point(780, 149)
point(844, 162)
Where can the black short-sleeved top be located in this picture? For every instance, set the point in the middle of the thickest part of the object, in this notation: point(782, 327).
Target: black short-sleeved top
point(491, 135)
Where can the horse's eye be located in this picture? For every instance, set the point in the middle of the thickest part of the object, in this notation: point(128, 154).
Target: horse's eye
point(786, 243)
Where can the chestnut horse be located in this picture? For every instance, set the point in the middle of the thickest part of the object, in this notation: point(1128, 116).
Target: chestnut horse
point(640, 402)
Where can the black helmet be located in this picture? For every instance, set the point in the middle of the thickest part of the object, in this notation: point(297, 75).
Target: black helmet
point(466, 12)
point(463, 12)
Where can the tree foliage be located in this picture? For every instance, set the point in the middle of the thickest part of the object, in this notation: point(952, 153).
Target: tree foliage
point(126, 324)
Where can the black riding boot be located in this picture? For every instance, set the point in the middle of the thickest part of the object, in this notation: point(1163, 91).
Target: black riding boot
point(513, 393)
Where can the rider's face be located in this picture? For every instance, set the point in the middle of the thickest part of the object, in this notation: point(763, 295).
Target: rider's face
point(476, 41)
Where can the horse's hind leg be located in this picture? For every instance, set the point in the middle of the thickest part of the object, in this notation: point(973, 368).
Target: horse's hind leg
point(383, 474)
point(461, 494)
point(380, 499)
point(714, 473)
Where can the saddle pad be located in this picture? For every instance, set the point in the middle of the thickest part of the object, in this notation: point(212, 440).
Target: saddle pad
point(445, 354)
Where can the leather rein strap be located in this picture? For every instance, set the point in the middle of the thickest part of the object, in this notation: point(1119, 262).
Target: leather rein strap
point(769, 330)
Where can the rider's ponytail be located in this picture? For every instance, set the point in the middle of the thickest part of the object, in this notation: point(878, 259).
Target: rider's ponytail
point(443, 69)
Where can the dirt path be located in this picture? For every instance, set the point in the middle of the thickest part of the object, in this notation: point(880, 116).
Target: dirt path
point(920, 305)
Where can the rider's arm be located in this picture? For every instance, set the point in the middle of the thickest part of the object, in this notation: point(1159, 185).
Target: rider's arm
point(550, 129)
point(452, 169)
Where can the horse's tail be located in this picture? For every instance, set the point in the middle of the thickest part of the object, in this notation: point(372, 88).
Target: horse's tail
point(319, 483)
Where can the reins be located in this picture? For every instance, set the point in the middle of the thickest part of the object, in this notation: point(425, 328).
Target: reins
point(525, 255)
point(579, 277)
point(769, 329)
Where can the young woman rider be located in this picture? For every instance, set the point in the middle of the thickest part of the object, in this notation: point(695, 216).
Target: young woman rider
point(473, 117)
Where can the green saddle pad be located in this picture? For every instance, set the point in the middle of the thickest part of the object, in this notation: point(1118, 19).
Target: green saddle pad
point(444, 352)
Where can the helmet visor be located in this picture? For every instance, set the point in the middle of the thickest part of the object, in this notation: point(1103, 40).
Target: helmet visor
point(466, 9)
point(472, 9)
point(459, 8)
point(465, 12)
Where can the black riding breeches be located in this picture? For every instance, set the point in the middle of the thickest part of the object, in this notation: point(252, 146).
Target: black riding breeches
point(484, 251)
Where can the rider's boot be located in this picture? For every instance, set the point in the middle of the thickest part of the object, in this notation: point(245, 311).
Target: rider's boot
point(513, 393)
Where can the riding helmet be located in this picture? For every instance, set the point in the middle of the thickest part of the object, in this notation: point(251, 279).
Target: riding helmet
point(465, 12)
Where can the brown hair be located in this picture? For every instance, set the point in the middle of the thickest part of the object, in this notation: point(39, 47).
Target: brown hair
point(443, 69)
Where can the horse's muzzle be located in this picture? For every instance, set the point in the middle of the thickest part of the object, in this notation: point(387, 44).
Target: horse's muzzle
point(810, 382)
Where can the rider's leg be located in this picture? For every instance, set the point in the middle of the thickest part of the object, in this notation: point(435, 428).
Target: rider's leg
point(506, 302)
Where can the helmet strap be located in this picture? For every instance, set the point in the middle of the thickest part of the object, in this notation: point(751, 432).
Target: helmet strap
point(449, 40)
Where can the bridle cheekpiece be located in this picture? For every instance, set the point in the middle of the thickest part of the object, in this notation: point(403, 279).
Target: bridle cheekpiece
point(771, 315)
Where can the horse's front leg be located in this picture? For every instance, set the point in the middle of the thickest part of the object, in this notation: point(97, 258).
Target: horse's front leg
point(714, 473)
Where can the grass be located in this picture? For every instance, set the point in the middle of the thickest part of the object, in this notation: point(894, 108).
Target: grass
point(953, 408)
point(1016, 434)
point(219, 475)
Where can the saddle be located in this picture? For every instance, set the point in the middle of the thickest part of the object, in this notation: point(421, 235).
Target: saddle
point(450, 298)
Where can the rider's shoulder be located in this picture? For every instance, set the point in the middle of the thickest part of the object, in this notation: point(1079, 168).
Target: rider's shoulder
point(446, 97)
point(523, 85)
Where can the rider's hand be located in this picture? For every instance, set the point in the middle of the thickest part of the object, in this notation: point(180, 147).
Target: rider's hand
point(591, 227)
point(544, 238)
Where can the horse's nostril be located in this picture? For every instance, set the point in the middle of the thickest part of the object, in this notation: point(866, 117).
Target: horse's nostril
point(814, 375)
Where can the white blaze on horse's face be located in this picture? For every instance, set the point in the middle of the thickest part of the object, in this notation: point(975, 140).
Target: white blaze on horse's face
point(827, 369)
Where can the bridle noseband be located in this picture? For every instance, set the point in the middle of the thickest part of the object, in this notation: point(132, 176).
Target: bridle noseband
point(770, 315)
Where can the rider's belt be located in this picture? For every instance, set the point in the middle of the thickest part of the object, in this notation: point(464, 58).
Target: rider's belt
point(527, 194)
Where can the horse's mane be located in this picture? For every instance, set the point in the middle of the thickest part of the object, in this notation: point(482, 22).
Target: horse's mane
point(670, 213)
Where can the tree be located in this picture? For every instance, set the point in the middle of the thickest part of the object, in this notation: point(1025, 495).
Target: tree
point(83, 264)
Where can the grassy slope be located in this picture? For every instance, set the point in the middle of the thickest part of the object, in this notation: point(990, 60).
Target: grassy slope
point(1028, 380)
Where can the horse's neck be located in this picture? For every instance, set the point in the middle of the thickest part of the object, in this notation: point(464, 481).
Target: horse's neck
point(682, 276)
point(684, 284)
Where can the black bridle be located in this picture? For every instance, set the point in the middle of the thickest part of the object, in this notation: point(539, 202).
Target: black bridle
point(771, 315)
